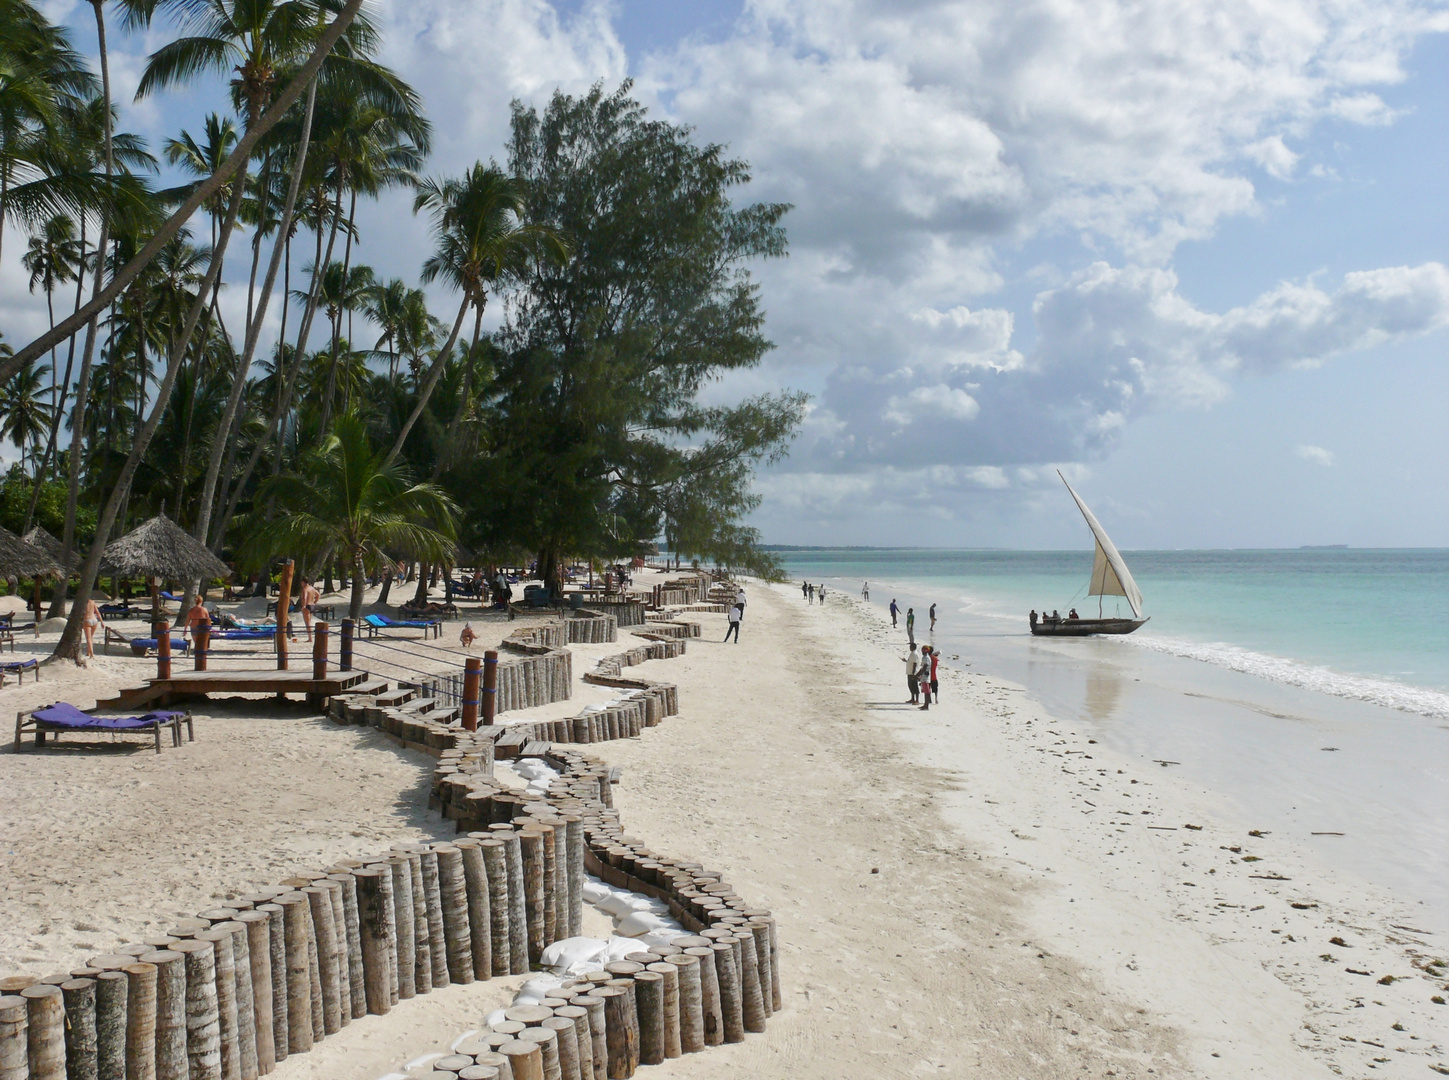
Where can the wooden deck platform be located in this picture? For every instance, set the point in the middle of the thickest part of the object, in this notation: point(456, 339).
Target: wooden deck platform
point(184, 684)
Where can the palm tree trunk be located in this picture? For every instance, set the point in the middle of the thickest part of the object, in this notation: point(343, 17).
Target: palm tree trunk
point(69, 644)
point(254, 328)
point(434, 373)
point(82, 390)
point(359, 591)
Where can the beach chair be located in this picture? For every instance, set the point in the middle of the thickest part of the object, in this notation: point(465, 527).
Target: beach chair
point(54, 719)
point(375, 624)
point(18, 668)
point(146, 646)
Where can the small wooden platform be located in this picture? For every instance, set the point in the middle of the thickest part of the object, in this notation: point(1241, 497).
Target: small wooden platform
point(255, 681)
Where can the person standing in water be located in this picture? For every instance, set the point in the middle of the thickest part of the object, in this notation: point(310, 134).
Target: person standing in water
point(933, 618)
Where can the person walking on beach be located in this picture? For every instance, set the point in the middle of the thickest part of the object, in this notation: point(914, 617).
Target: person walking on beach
point(865, 590)
point(894, 612)
point(822, 594)
point(734, 616)
point(740, 601)
point(933, 618)
point(912, 667)
point(804, 590)
point(911, 624)
point(92, 620)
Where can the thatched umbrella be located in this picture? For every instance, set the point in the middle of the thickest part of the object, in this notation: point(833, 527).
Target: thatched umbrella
point(19, 559)
point(47, 543)
point(162, 549)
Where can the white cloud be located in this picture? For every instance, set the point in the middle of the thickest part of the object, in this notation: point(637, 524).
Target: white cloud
point(1273, 154)
point(942, 401)
point(1315, 455)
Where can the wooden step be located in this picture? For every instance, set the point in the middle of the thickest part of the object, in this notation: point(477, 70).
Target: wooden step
point(534, 748)
point(371, 686)
point(392, 699)
point(421, 705)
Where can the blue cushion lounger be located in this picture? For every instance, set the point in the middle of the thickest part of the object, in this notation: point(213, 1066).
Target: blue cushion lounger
point(18, 668)
point(374, 623)
point(246, 633)
point(143, 645)
point(65, 717)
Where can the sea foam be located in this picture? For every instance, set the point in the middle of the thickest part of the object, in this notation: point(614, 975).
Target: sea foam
point(1375, 691)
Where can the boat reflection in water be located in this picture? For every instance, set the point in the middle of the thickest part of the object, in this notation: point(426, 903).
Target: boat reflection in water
point(1110, 577)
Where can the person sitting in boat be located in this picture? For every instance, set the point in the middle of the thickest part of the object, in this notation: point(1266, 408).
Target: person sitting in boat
point(1032, 617)
point(1055, 616)
point(1072, 614)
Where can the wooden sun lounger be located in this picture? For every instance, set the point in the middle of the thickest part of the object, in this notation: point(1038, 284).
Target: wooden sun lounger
point(18, 668)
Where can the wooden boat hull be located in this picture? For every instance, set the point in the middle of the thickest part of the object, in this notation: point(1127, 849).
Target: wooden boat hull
point(1085, 627)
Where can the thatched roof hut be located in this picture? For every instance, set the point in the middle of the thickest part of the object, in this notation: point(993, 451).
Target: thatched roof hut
point(47, 543)
point(161, 548)
point(19, 559)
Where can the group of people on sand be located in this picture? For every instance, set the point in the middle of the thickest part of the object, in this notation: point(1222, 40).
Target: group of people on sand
point(810, 592)
point(911, 620)
point(921, 675)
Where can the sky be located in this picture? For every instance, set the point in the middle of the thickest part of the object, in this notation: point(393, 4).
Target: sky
point(1188, 252)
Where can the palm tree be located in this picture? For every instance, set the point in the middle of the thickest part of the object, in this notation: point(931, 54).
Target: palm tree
point(352, 505)
point(201, 159)
point(53, 258)
point(24, 415)
point(481, 241)
point(385, 308)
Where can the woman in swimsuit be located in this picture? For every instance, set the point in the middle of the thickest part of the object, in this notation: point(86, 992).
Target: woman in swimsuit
point(92, 620)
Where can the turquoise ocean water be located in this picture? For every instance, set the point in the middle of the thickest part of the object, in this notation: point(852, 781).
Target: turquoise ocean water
point(1371, 625)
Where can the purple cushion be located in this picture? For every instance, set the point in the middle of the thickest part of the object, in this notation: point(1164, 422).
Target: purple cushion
point(62, 714)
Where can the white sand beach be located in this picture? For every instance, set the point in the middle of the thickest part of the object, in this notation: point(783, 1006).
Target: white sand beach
point(974, 889)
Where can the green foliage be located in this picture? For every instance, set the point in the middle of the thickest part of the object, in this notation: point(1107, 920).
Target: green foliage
point(15, 492)
point(599, 435)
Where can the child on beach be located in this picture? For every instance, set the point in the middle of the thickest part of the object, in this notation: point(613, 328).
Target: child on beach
point(467, 636)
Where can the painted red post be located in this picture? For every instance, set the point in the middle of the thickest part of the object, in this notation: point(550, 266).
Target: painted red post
point(344, 656)
point(490, 686)
point(163, 650)
point(319, 651)
point(200, 644)
point(472, 677)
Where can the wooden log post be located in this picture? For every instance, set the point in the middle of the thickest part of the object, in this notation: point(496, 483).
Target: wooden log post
point(731, 1008)
point(355, 994)
point(751, 990)
point(259, 965)
point(80, 1029)
point(567, 1039)
point(437, 937)
point(525, 1059)
point(422, 937)
point(284, 601)
point(546, 1040)
point(319, 651)
point(163, 650)
point(200, 645)
point(472, 684)
point(490, 686)
point(475, 881)
point(171, 1061)
point(344, 651)
point(372, 932)
point(224, 965)
point(517, 909)
point(325, 931)
point(594, 1006)
point(709, 994)
point(111, 1025)
point(14, 1058)
point(759, 929)
point(531, 842)
point(583, 1038)
point(389, 916)
point(246, 1023)
point(669, 1006)
point(296, 927)
point(140, 1021)
point(277, 936)
point(621, 1027)
point(203, 1020)
point(495, 860)
point(44, 1031)
point(649, 996)
point(399, 870)
point(574, 840)
point(453, 898)
point(339, 932)
point(691, 1003)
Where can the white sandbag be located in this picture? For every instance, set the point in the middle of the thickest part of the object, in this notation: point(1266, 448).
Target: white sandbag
point(660, 937)
point(615, 904)
point(639, 922)
point(541, 985)
point(595, 890)
point(493, 1019)
point(575, 955)
point(621, 948)
point(648, 903)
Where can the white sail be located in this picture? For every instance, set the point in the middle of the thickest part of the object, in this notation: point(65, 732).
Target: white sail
point(1110, 576)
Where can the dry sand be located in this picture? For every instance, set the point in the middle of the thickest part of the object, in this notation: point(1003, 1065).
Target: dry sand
point(976, 889)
